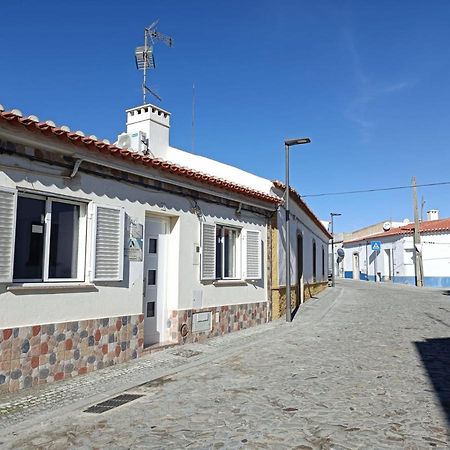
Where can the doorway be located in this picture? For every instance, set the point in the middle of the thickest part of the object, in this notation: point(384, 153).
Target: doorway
point(388, 264)
point(300, 293)
point(155, 278)
point(356, 266)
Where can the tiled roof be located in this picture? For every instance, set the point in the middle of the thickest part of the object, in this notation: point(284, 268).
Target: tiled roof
point(296, 196)
point(48, 128)
point(429, 226)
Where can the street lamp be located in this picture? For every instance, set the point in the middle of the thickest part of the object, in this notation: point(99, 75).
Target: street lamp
point(289, 143)
point(332, 246)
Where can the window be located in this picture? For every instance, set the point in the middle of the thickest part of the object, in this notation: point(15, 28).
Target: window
point(226, 248)
point(152, 245)
point(50, 236)
point(43, 239)
point(230, 253)
point(314, 260)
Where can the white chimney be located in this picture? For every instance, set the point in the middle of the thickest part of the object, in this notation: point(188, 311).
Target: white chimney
point(433, 214)
point(153, 123)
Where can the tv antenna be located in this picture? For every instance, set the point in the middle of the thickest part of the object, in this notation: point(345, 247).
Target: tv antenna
point(144, 56)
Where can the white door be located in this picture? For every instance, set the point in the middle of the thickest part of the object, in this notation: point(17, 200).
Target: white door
point(155, 249)
point(387, 264)
point(355, 266)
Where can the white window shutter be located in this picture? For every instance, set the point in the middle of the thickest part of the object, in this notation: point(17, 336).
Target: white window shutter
point(108, 243)
point(8, 204)
point(208, 267)
point(252, 255)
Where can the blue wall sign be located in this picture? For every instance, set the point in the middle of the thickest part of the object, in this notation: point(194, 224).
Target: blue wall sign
point(376, 246)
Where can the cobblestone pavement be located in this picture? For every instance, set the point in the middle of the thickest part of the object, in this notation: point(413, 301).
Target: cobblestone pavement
point(362, 366)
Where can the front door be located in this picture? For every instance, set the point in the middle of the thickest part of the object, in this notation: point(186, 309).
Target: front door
point(355, 266)
point(154, 279)
point(300, 267)
point(387, 264)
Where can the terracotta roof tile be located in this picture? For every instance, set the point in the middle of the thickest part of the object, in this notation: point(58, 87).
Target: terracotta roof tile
point(92, 144)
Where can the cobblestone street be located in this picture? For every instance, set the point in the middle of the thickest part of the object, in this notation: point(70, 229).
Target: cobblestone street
point(364, 365)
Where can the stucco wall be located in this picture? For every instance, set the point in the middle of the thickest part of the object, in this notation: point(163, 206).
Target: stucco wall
point(435, 255)
point(125, 298)
point(300, 223)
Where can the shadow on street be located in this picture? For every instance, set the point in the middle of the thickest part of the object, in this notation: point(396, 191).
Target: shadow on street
point(435, 355)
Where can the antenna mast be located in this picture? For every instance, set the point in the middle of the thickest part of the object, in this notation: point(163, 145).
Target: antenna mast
point(144, 55)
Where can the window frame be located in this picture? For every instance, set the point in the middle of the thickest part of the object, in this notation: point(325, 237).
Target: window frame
point(238, 251)
point(82, 238)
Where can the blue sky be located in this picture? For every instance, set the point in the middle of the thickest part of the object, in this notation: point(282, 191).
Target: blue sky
point(367, 81)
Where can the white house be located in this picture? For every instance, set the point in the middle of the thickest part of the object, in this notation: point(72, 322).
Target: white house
point(395, 260)
point(106, 250)
point(365, 233)
point(309, 260)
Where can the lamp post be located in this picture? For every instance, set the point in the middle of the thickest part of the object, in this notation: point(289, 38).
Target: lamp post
point(332, 246)
point(289, 143)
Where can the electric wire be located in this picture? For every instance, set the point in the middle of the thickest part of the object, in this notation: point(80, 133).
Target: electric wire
point(363, 191)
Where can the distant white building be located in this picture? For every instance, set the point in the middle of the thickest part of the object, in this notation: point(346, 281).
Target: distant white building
point(365, 232)
point(395, 260)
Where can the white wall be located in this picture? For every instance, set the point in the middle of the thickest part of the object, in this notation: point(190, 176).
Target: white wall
point(301, 223)
point(436, 256)
point(218, 169)
point(371, 261)
point(125, 298)
point(221, 292)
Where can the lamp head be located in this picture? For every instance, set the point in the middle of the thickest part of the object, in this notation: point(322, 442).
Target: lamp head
point(290, 142)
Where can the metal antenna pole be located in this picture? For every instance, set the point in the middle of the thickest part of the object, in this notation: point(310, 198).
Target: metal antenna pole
point(144, 84)
point(145, 59)
point(422, 204)
point(193, 118)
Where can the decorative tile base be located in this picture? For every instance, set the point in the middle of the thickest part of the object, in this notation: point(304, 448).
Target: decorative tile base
point(52, 352)
point(224, 319)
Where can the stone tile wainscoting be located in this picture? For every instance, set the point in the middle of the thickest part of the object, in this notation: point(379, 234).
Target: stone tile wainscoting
point(45, 353)
point(279, 297)
point(224, 319)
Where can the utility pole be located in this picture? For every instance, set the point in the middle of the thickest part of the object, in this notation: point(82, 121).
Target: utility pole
point(332, 248)
point(418, 266)
point(422, 204)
